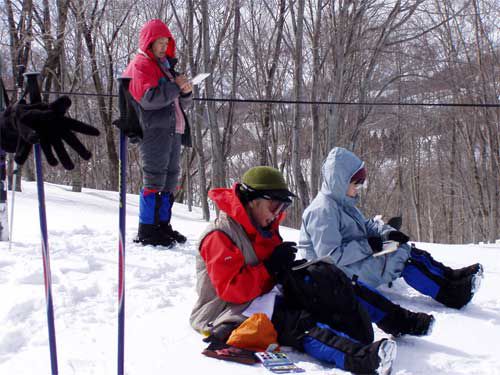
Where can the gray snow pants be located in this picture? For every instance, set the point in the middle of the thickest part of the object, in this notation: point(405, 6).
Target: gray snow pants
point(160, 152)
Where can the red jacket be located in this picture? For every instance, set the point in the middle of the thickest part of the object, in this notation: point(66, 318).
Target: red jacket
point(144, 70)
point(233, 280)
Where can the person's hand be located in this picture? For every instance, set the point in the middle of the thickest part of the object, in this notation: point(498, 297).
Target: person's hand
point(375, 243)
point(182, 81)
point(398, 237)
point(48, 125)
point(281, 258)
point(396, 222)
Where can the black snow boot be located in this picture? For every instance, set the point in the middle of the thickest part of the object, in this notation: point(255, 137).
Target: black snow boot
point(326, 344)
point(168, 201)
point(404, 322)
point(390, 317)
point(457, 294)
point(461, 273)
point(167, 229)
point(150, 234)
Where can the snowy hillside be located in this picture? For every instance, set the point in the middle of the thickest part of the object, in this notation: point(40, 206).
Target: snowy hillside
point(160, 292)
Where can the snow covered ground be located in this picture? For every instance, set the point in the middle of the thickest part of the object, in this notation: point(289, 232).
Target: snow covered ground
point(160, 292)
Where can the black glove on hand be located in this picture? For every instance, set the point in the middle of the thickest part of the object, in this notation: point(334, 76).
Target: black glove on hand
point(282, 258)
point(396, 222)
point(13, 139)
point(398, 237)
point(48, 125)
point(375, 243)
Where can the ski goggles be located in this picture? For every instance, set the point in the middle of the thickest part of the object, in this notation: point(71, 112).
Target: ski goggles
point(281, 196)
point(278, 207)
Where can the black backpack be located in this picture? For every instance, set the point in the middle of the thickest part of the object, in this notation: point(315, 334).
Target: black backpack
point(128, 122)
point(328, 294)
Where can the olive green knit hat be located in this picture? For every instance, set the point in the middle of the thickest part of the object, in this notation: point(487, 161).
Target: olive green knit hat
point(266, 182)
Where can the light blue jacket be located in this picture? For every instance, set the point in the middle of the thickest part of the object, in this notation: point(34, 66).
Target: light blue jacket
point(333, 226)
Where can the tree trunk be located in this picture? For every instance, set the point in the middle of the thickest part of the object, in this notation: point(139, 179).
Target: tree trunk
point(228, 133)
point(297, 120)
point(218, 173)
point(88, 31)
point(314, 179)
point(196, 119)
point(269, 85)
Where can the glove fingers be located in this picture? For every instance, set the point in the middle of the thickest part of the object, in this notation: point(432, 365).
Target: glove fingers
point(22, 152)
point(23, 107)
point(76, 145)
point(289, 245)
point(49, 155)
point(62, 154)
point(60, 105)
point(80, 127)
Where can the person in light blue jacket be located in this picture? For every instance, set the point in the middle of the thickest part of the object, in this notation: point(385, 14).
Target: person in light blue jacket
point(333, 227)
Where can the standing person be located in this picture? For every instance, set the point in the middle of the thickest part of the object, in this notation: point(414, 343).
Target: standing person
point(242, 258)
point(160, 95)
point(332, 226)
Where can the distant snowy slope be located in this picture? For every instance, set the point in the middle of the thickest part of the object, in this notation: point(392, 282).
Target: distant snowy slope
point(160, 293)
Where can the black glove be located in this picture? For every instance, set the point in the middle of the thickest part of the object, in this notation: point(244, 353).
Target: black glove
point(376, 244)
point(8, 133)
point(12, 140)
point(396, 222)
point(48, 125)
point(282, 258)
point(398, 237)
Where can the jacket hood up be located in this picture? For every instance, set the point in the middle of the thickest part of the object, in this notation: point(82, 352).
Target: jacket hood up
point(153, 30)
point(337, 171)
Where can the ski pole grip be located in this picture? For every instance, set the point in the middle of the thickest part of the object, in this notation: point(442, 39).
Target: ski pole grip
point(32, 87)
point(20, 75)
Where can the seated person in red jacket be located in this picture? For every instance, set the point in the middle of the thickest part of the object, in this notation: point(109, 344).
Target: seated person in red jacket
point(241, 260)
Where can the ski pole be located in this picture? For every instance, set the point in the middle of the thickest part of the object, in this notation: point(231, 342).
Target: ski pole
point(35, 97)
point(4, 214)
point(124, 82)
point(15, 171)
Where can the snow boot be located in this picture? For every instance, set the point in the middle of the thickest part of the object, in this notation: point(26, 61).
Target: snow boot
point(457, 294)
point(405, 322)
point(168, 202)
point(169, 231)
point(428, 277)
point(151, 209)
point(326, 344)
point(390, 317)
point(150, 234)
point(474, 269)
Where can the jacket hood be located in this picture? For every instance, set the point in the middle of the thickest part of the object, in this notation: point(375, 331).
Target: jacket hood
point(337, 170)
point(227, 200)
point(153, 30)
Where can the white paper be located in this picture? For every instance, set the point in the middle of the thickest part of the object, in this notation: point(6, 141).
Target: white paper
point(387, 247)
point(199, 78)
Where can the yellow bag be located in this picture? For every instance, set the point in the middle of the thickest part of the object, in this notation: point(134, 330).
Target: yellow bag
point(257, 333)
